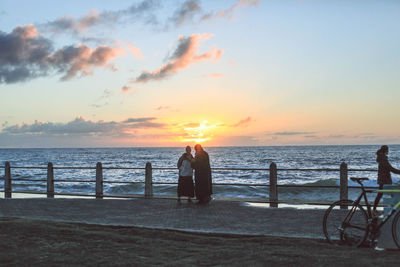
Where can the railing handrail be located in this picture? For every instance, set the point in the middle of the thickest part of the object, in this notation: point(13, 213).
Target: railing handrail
point(174, 168)
point(148, 181)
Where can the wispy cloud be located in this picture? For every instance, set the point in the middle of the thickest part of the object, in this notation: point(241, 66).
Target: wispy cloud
point(163, 108)
point(289, 133)
point(126, 89)
point(25, 54)
point(142, 11)
point(103, 99)
point(228, 13)
point(184, 55)
point(191, 12)
point(243, 123)
point(185, 13)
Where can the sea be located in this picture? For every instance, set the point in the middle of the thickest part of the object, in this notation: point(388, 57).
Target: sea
point(243, 182)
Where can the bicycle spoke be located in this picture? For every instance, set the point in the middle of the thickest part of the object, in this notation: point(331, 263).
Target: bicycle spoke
point(357, 227)
point(345, 226)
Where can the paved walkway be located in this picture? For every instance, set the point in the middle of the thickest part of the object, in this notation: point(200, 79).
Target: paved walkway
point(217, 217)
point(220, 216)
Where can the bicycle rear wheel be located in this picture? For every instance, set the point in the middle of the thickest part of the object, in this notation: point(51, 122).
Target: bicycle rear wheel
point(345, 226)
point(396, 229)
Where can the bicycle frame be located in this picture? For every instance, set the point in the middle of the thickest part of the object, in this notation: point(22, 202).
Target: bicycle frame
point(392, 211)
point(360, 222)
point(363, 195)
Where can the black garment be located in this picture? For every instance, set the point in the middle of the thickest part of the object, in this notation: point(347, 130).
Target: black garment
point(384, 174)
point(384, 169)
point(185, 186)
point(203, 179)
point(378, 197)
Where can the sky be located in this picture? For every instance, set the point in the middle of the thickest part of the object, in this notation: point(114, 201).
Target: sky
point(222, 73)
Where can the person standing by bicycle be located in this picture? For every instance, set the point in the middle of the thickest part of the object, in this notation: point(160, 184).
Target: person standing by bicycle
point(384, 170)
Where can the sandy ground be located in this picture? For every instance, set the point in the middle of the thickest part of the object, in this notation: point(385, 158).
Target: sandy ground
point(30, 242)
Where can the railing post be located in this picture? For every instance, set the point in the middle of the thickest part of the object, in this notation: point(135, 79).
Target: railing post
point(273, 188)
point(148, 188)
point(7, 180)
point(99, 180)
point(50, 180)
point(344, 190)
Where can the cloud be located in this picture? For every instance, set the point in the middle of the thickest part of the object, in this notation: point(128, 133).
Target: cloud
point(143, 123)
point(141, 11)
point(185, 13)
point(163, 107)
point(81, 126)
point(135, 120)
point(126, 88)
point(228, 13)
point(25, 55)
point(184, 55)
point(191, 12)
point(135, 51)
point(81, 59)
point(167, 108)
point(243, 123)
point(213, 75)
point(102, 100)
point(289, 133)
point(191, 125)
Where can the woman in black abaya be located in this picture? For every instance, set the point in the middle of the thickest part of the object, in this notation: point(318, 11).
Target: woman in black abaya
point(202, 175)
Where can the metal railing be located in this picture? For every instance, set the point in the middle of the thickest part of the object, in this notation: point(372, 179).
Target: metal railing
point(148, 180)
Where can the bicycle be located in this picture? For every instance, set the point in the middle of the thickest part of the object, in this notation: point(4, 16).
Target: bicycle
point(352, 226)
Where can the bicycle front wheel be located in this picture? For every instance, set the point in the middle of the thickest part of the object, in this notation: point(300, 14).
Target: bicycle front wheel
point(396, 229)
point(345, 223)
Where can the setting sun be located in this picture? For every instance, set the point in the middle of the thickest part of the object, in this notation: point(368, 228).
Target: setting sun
point(198, 134)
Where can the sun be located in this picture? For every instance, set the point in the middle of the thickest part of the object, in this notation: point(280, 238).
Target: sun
point(198, 134)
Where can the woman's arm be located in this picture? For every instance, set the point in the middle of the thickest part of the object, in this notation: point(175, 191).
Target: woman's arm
point(392, 169)
point(180, 162)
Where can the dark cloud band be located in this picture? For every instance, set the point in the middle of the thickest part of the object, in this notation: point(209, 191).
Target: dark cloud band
point(25, 54)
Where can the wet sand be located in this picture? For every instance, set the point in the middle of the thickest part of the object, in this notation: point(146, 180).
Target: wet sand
point(30, 242)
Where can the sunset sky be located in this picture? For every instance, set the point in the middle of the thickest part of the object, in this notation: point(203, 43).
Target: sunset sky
point(174, 73)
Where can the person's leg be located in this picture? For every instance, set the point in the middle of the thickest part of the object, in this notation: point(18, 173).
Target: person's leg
point(378, 198)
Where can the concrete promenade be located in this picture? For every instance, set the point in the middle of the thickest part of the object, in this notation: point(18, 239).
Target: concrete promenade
point(220, 216)
point(225, 217)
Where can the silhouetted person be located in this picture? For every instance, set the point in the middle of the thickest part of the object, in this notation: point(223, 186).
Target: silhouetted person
point(384, 170)
point(185, 182)
point(202, 175)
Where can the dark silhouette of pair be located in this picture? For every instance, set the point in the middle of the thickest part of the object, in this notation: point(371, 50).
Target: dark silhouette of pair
point(202, 177)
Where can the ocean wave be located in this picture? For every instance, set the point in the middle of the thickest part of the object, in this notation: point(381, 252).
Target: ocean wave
point(356, 157)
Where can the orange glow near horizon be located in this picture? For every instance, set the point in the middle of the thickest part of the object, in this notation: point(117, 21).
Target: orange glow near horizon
point(198, 134)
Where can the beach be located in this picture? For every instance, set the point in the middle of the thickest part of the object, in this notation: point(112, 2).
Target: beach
point(30, 242)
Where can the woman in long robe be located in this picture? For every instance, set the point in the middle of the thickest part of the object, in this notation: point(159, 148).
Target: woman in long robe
point(185, 182)
point(202, 175)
